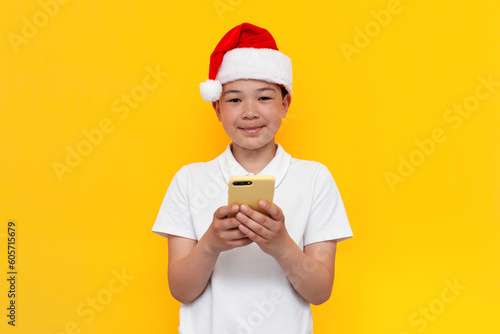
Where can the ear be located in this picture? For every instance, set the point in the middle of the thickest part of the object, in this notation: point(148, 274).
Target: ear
point(285, 104)
point(216, 107)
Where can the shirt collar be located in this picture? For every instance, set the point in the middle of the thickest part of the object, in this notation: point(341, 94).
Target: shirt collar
point(276, 167)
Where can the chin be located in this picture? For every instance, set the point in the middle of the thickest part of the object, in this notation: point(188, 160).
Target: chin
point(252, 146)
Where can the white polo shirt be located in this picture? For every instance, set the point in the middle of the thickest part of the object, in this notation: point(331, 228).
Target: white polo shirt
point(248, 291)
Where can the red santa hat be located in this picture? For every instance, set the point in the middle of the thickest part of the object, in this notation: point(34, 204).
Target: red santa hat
point(246, 52)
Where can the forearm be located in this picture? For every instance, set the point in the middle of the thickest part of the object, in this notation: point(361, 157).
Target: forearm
point(189, 276)
point(309, 277)
point(310, 271)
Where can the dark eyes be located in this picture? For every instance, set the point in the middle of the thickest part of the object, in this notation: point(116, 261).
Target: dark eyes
point(236, 100)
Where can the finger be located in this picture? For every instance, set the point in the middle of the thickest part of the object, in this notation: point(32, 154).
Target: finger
point(226, 225)
point(252, 225)
point(229, 223)
point(240, 242)
point(224, 211)
point(271, 208)
point(251, 235)
point(253, 214)
point(234, 234)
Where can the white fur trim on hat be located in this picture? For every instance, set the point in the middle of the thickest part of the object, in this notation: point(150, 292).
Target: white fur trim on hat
point(260, 64)
point(211, 90)
point(249, 63)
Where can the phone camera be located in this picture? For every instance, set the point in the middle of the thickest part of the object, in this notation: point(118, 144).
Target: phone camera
point(242, 183)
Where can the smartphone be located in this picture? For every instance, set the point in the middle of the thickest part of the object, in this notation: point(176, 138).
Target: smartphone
point(250, 189)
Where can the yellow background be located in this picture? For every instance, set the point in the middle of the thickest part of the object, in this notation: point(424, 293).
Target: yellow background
point(359, 114)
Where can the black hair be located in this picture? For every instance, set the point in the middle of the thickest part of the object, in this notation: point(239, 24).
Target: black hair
point(283, 92)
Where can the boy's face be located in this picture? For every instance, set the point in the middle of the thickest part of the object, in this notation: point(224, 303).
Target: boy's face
point(251, 112)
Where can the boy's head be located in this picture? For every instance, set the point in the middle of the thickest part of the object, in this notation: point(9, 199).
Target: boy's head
point(247, 52)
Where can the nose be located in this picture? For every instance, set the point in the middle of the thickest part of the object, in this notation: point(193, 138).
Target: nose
point(250, 111)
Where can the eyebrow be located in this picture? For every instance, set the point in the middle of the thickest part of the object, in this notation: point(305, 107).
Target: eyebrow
point(266, 88)
point(239, 91)
point(231, 91)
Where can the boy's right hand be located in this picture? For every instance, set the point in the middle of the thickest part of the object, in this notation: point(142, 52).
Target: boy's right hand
point(223, 234)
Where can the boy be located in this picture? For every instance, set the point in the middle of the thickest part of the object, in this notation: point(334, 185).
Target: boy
point(251, 273)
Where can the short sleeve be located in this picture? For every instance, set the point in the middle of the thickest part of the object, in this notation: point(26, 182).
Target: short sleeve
point(174, 216)
point(328, 218)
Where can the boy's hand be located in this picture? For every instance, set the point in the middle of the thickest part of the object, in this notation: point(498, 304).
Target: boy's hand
point(268, 232)
point(223, 234)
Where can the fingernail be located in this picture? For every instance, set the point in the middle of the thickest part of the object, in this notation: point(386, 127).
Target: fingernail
point(244, 208)
point(234, 208)
point(262, 203)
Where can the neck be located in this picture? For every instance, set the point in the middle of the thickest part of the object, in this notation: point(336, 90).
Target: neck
point(254, 161)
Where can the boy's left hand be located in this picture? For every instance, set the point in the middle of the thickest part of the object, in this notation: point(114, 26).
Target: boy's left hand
point(270, 232)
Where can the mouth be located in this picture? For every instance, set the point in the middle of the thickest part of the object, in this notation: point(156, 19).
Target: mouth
point(251, 130)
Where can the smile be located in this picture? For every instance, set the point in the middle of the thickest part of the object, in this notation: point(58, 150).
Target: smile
point(252, 130)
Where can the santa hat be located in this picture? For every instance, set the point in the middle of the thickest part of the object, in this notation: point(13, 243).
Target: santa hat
point(246, 52)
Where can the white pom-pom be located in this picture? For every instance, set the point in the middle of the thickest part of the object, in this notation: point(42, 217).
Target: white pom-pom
point(211, 90)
